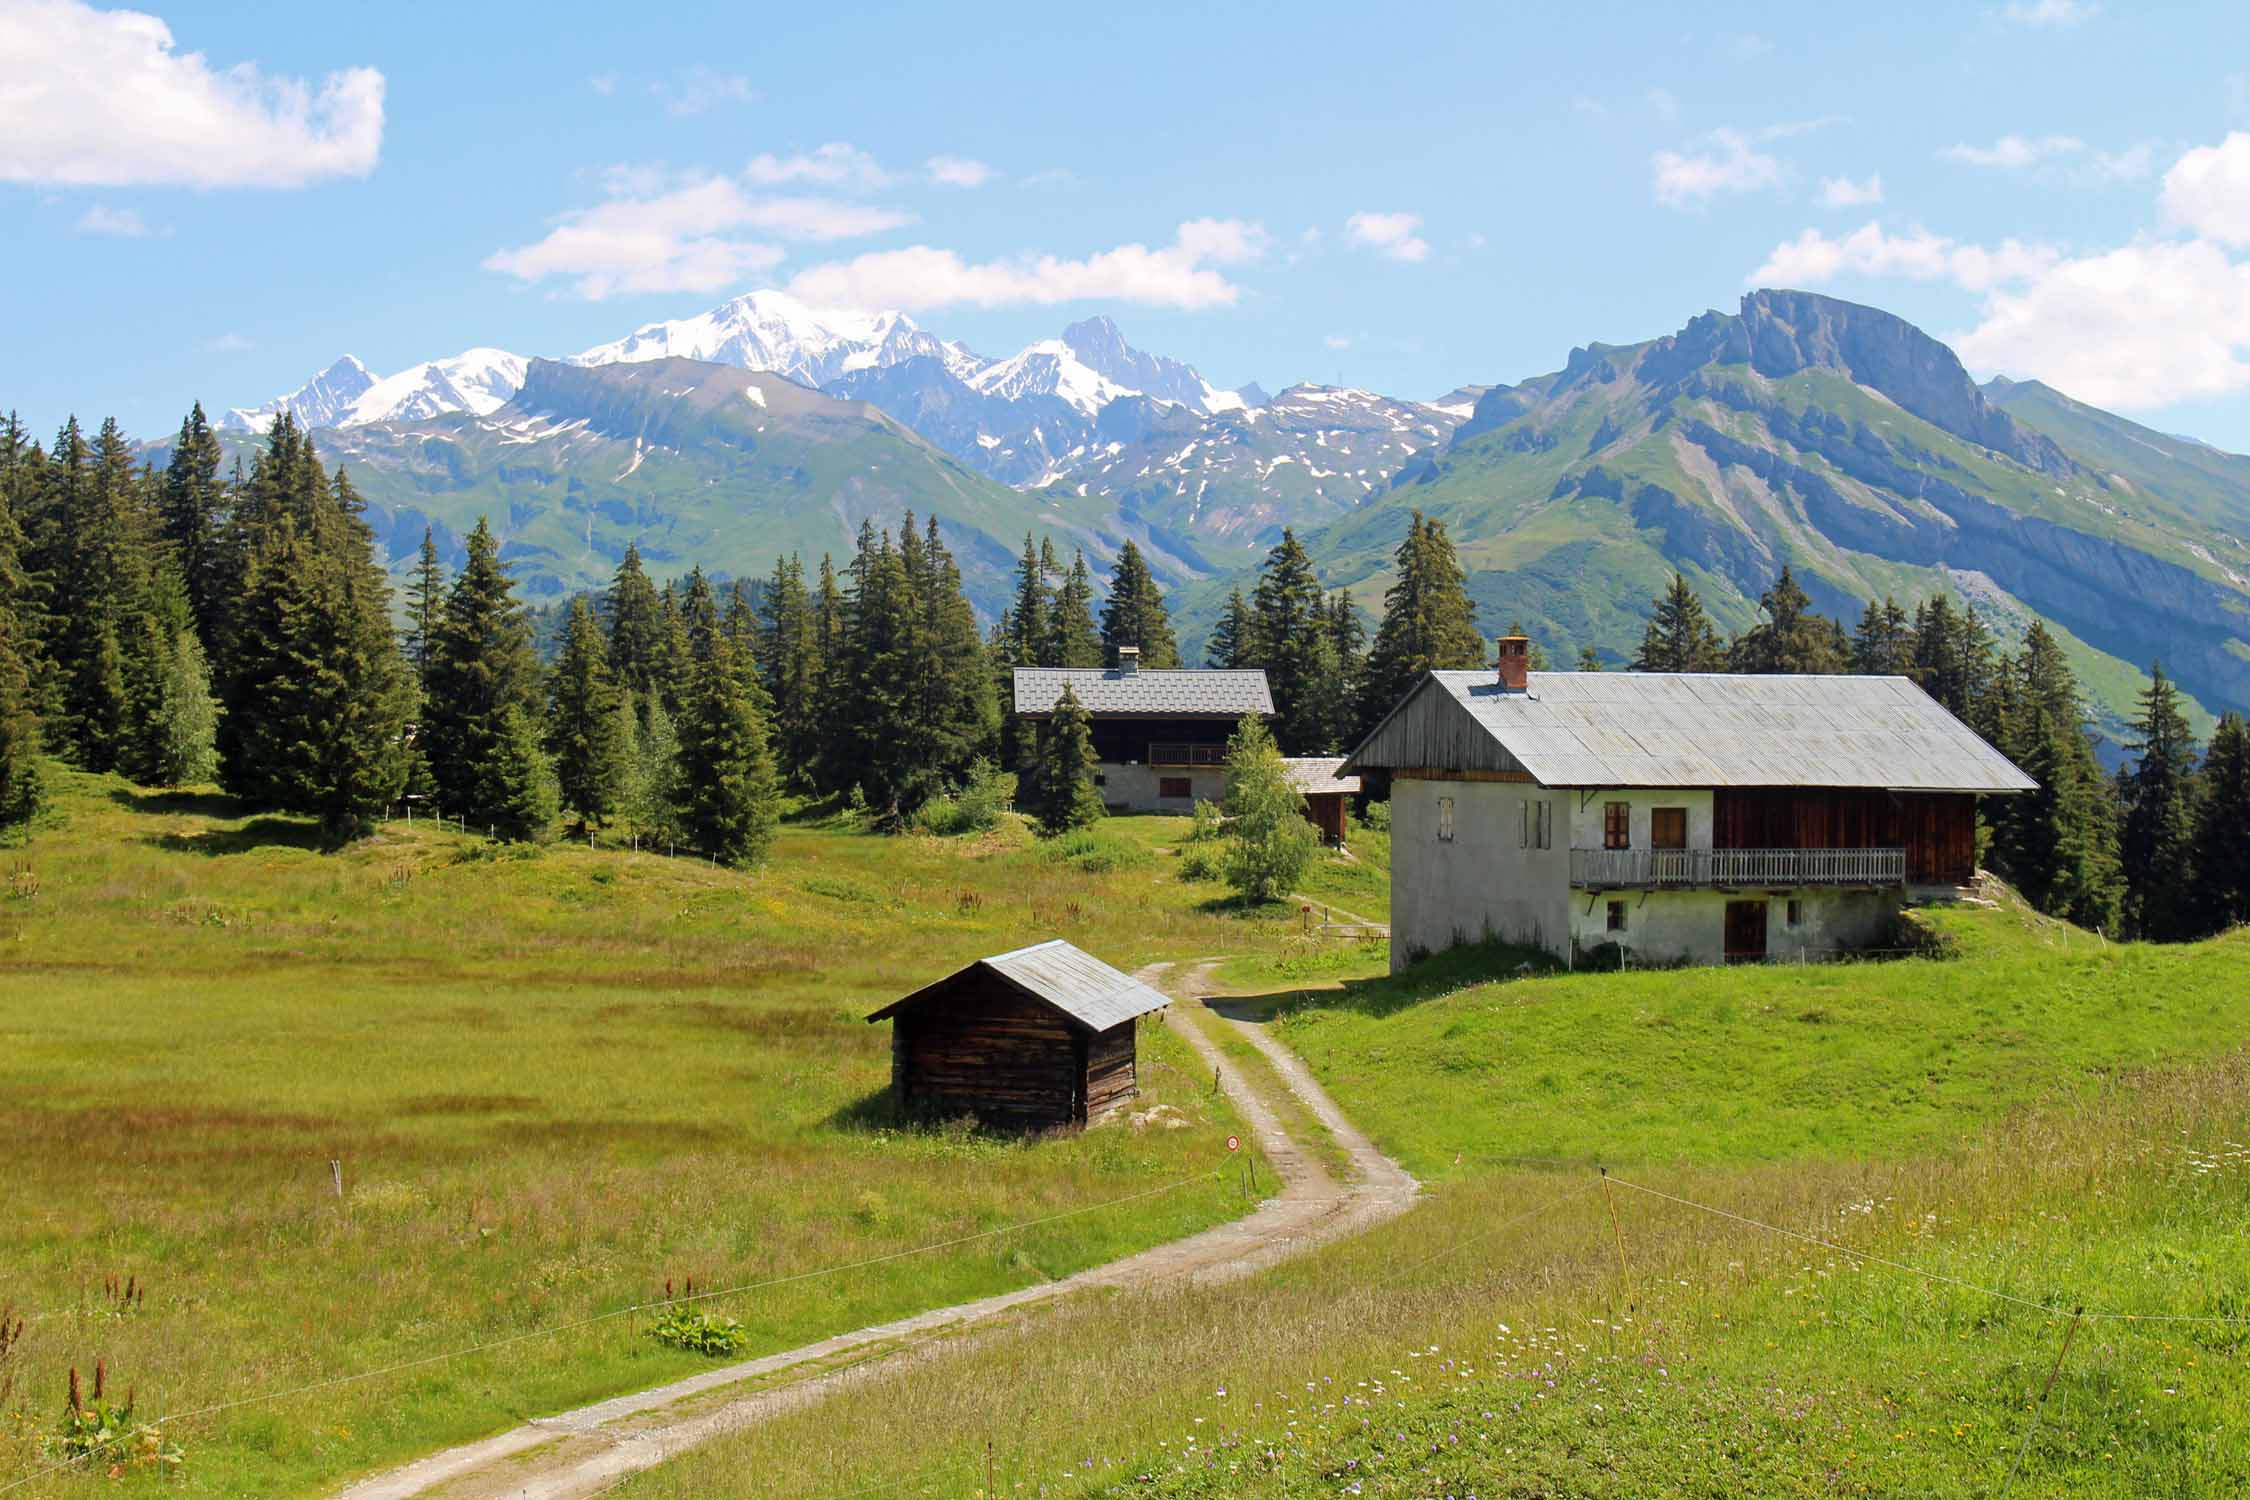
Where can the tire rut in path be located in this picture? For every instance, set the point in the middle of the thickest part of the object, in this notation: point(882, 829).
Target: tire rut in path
point(587, 1450)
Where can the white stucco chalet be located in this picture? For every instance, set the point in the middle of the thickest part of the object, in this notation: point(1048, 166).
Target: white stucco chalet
point(1692, 817)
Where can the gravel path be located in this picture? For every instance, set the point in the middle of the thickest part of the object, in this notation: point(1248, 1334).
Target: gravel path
point(585, 1451)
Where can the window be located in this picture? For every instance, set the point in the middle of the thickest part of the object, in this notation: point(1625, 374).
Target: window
point(1174, 786)
point(1538, 825)
point(1616, 916)
point(1796, 912)
point(1617, 825)
point(1667, 828)
point(1445, 820)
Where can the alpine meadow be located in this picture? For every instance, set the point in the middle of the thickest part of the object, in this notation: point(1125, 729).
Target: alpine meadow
point(1576, 832)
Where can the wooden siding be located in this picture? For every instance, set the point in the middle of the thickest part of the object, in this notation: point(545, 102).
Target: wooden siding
point(1433, 773)
point(985, 1049)
point(1111, 1079)
point(1122, 740)
point(1430, 728)
point(1938, 830)
point(1325, 810)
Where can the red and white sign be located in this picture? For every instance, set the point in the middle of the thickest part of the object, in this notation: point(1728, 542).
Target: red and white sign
point(1234, 1143)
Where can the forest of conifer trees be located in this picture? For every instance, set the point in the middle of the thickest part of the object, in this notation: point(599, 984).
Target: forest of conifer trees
point(184, 625)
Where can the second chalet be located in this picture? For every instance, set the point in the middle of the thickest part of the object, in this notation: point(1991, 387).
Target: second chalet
point(1682, 817)
point(1160, 736)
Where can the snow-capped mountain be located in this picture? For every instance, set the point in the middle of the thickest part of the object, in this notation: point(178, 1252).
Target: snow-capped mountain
point(1099, 345)
point(773, 331)
point(348, 394)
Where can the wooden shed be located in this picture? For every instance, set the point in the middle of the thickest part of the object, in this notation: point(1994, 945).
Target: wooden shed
point(1035, 1039)
point(1325, 792)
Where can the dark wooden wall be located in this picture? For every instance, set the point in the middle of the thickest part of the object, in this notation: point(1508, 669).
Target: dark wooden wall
point(985, 1049)
point(1120, 740)
point(1938, 830)
point(1326, 810)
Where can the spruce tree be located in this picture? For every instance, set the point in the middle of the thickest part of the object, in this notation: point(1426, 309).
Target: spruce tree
point(1883, 645)
point(788, 653)
point(637, 647)
point(2158, 791)
point(22, 785)
point(1288, 629)
point(1680, 636)
point(1952, 659)
point(1428, 624)
point(586, 732)
point(1234, 639)
point(730, 792)
point(1063, 795)
point(425, 602)
point(2222, 852)
point(1589, 660)
point(1270, 842)
point(2058, 842)
point(1347, 639)
point(1791, 638)
point(1073, 640)
point(520, 782)
point(481, 667)
point(831, 683)
point(194, 511)
point(952, 715)
point(1028, 611)
point(1135, 615)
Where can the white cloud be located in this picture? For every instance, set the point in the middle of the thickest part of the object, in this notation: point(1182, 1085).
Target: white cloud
point(2049, 12)
point(2138, 327)
point(1814, 258)
point(1843, 192)
point(2011, 152)
point(701, 89)
point(124, 222)
point(100, 99)
point(2128, 165)
point(1731, 164)
point(1338, 341)
point(1393, 235)
point(833, 165)
point(1183, 274)
point(2208, 191)
point(227, 343)
point(957, 171)
point(688, 237)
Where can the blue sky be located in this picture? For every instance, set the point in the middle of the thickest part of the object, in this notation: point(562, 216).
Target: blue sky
point(215, 201)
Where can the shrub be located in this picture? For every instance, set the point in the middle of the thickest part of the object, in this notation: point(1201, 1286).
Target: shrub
point(1376, 816)
point(699, 1332)
point(987, 794)
point(1199, 864)
point(1210, 822)
point(95, 1432)
point(1092, 853)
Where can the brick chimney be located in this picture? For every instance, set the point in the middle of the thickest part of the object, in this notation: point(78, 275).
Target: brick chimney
point(1515, 663)
point(1128, 661)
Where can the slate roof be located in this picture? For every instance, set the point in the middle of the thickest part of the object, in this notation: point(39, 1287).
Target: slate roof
point(1105, 691)
point(1694, 729)
point(1071, 980)
point(1311, 774)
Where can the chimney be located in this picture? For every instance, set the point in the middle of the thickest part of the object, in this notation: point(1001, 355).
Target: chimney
point(1515, 663)
point(1128, 661)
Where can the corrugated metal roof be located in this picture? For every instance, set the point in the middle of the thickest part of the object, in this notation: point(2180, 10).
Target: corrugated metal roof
point(1073, 981)
point(1109, 691)
point(1691, 729)
point(1311, 774)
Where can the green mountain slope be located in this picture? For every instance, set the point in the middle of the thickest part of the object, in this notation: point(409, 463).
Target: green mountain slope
point(1846, 443)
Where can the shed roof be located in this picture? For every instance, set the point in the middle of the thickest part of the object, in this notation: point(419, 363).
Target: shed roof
point(1081, 986)
point(1690, 729)
point(1108, 691)
point(1314, 774)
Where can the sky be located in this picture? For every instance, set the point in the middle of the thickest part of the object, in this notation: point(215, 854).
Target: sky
point(215, 201)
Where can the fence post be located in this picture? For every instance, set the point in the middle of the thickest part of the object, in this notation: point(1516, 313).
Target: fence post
point(2040, 1406)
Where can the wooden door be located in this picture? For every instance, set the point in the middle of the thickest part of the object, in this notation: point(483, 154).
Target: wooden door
point(1746, 932)
point(1667, 828)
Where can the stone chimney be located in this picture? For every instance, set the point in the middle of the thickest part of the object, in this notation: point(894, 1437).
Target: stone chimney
point(1128, 661)
point(1515, 663)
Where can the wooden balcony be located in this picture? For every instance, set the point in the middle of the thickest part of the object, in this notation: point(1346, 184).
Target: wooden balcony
point(1734, 869)
point(1187, 755)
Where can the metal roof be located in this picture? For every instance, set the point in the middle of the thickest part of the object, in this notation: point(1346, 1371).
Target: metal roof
point(1071, 980)
point(1312, 774)
point(1106, 690)
point(1695, 729)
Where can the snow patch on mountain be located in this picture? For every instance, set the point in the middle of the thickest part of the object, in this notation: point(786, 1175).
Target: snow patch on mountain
point(479, 381)
point(319, 402)
point(774, 332)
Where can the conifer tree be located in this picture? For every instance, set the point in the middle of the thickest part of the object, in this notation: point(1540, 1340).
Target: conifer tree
point(2058, 842)
point(1288, 628)
point(2158, 792)
point(22, 785)
point(2222, 852)
point(1062, 790)
point(194, 509)
point(1953, 659)
point(1680, 636)
point(1428, 624)
point(788, 654)
point(1883, 645)
point(1233, 640)
point(425, 602)
point(637, 647)
point(1134, 614)
point(1791, 637)
point(952, 714)
point(1270, 841)
point(587, 734)
point(1347, 639)
point(1029, 610)
point(520, 780)
point(1073, 640)
point(1589, 660)
point(831, 684)
point(481, 668)
point(730, 792)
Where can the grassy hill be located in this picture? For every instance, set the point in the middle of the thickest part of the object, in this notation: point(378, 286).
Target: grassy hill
point(554, 1081)
point(2061, 1121)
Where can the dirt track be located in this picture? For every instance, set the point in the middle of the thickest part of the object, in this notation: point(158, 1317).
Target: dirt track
point(582, 1452)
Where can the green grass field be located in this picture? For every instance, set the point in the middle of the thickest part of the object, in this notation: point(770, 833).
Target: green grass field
point(2078, 1134)
point(553, 1080)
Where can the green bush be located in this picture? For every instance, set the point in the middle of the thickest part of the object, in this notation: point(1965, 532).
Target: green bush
point(1210, 822)
point(1376, 816)
point(699, 1332)
point(984, 797)
point(1092, 853)
point(1198, 864)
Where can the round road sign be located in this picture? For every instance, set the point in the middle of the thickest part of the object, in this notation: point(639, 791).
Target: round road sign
point(1234, 1143)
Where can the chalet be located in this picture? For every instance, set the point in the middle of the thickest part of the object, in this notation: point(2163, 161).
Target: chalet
point(1325, 792)
point(1680, 816)
point(1160, 735)
point(1037, 1039)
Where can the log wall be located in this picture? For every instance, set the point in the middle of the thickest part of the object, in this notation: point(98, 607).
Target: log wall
point(1111, 1075)
point(986, 1050)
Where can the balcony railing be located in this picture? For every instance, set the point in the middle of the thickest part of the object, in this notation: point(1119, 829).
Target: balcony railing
point(1187, 755)
point(1689, 869)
